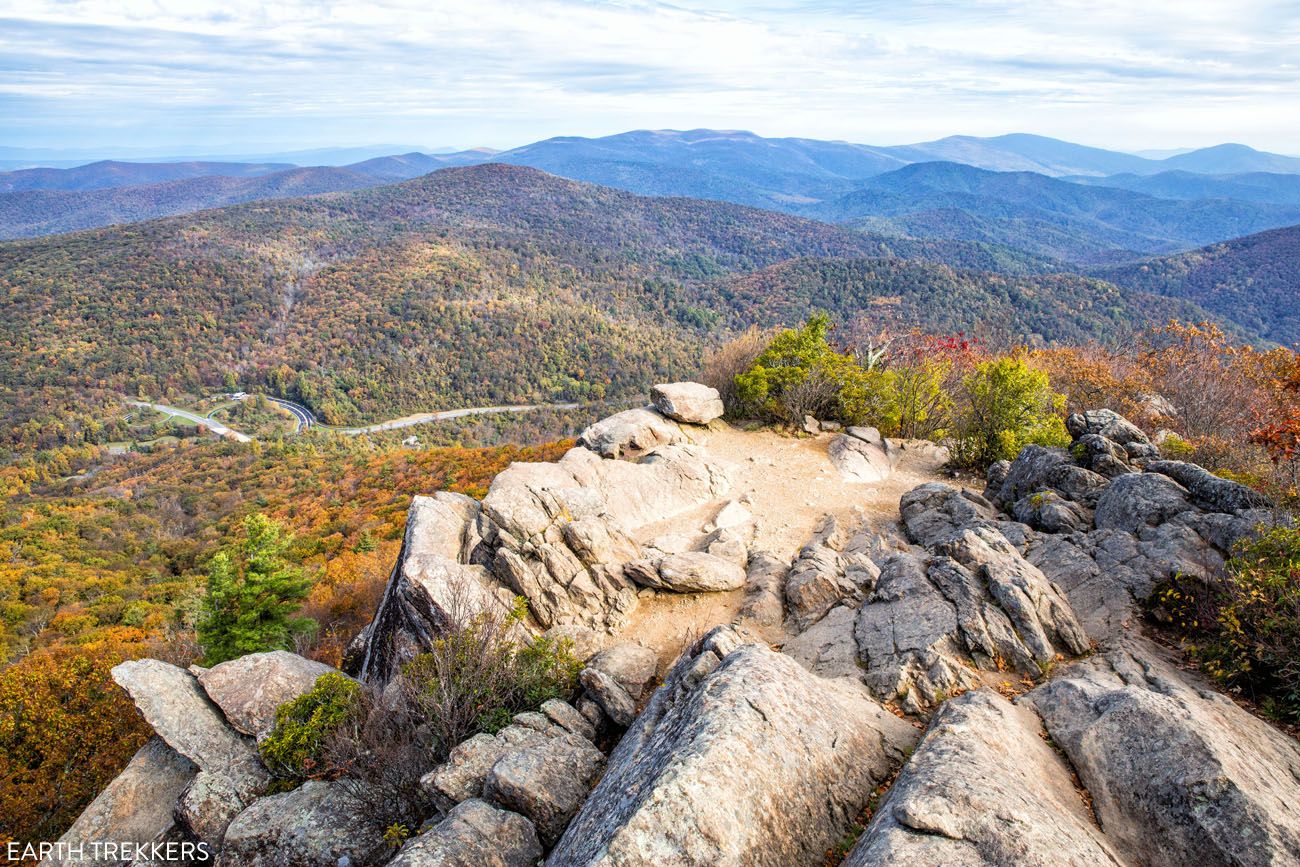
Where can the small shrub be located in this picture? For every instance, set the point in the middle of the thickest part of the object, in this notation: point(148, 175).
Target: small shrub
point(1246, 633)
point(1006, 405)
point(800, 373)
point(296, 747)
point(723, 365)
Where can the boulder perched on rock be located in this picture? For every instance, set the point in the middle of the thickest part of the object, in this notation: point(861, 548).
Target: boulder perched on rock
point(689, 402)
point(1050, 512)
point(741, 758)
point(474, 834)
point(313, 825)
point(983, 788)
point(631, 433)
point(136, 807)
point(1107, 423)
point(546, 782)
point(1178, 774)
point(250, 689)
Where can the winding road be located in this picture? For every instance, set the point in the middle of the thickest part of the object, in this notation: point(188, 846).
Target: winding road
point(305, 418)
point(211, 424)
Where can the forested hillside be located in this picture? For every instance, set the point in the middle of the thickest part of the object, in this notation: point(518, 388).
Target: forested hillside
point(1251, 281)
point(490, 284)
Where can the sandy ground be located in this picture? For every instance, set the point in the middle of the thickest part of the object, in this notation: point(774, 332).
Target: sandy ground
point(789, 484)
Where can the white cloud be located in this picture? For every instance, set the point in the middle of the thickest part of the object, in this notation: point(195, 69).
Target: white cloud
point(1107, 72)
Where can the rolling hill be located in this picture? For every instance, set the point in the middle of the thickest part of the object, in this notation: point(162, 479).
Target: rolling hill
point(1252, 281)
point(1046, 216)
point(31, 213)
point(468, 286)
point(110, 174)
point(1271, 187)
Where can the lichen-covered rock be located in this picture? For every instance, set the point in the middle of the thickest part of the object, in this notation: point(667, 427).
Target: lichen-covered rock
point(461, 776)
point(828, 648)
point(1107, 423)
point(1050, 512)
point(741, 758)
point(1138, 500)
point(250, 689)
point(1178, 774)
point(1038, 468)
point(1103, 456)
point(610, 695)
point(229, 774)
point(631, 433)
point(983, 788)
point(633, 666)
point(1211, 492)
point(933, 511)
point(546, 782)
point(689, 402)
point(313, 825)
point(764, 589)
point(569, 718)
point(136, 807)
point(474, 834)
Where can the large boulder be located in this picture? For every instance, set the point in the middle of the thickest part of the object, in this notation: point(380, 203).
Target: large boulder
point(933, 511)
point(693, 572)
point(136, 807)
point(1039, 468)
point(250, 689)
point(983, 788)
point(315, 824)
point(741, 758)
point(861, 461)
point(1050, 512)
point(689, 402)
point(1178, 773)
point(1139, 500)
point(546, 782)
point(631, 665)
point(1211, 492)
point(1107, 423)
point(474, 834)
point(631, 433)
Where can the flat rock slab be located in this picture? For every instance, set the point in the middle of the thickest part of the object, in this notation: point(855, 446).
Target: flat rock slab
point(250, 689)
point(136, 807)
point(741, 758)
point(983, 788)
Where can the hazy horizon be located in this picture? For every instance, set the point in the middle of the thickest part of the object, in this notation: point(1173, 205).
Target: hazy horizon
point(129, 74)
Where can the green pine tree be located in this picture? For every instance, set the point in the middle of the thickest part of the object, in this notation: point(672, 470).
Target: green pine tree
point(253, 592)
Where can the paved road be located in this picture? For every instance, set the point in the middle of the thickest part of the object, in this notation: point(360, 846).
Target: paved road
point(425, 417)
point(303, 416)
point(211, 424)
point(306, 419)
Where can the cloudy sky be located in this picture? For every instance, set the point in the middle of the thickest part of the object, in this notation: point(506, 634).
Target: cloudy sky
point(236, 74)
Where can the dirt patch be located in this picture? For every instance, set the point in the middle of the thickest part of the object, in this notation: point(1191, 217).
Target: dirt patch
point(789, 484)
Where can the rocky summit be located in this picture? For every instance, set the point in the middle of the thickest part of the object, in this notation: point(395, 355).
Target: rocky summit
point(792, 649)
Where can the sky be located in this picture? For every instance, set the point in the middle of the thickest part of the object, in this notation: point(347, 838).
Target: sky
point(242, 75)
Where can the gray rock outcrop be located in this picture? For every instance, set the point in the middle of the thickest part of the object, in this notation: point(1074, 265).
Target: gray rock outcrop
point(311, 825)
point(741, 758)
point(546, 782)
point(688, 402)
point(1178, 774)
point(983, 788)
point(474, 834)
